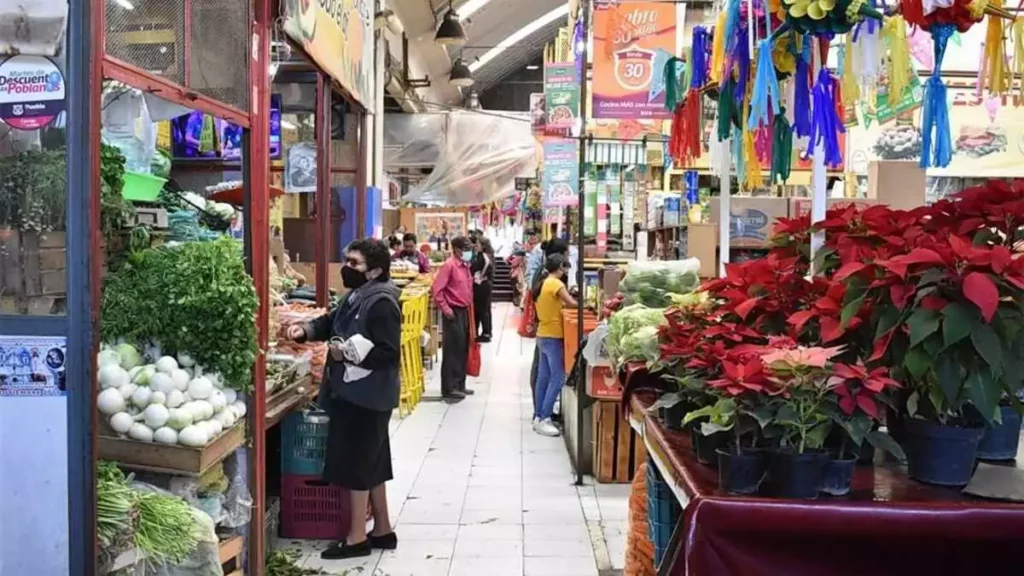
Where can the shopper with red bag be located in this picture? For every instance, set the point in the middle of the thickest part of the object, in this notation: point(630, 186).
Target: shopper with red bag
point(453, 294)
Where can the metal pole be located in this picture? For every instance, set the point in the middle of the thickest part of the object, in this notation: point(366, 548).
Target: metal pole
point(84, 49)
point(322, 235)
point(818, 178)
point(581, 388)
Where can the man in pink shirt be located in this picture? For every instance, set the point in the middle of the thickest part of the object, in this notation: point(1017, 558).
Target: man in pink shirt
point(453, 293)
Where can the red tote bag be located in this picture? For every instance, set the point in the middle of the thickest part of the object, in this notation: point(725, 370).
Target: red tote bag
point(528, 321)
point(473, 360)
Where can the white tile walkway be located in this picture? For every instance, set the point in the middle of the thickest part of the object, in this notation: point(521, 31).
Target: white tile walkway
point(477, 493)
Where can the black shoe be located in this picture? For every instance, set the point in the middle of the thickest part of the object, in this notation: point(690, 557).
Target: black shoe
point(342, 550)
point(483, 339)
point(385, 542)
point(468, 392)
point(454, 396)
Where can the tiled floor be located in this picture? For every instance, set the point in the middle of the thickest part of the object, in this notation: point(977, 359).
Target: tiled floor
point(477, 493)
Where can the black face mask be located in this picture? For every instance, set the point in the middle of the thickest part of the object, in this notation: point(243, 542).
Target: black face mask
point(352, 278)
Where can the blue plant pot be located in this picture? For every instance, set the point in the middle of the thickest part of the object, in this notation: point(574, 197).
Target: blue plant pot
point(1000, 441)
point(705, 447)
point(837, 477)
point(740, 473)
point(939, 454)
point(792, 475)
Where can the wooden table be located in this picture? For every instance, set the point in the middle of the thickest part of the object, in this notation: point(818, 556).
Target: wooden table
point(888, 524)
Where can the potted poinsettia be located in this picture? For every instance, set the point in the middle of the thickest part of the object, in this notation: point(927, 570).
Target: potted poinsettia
point(800, 399)
point(854, 406)
point(948, 314)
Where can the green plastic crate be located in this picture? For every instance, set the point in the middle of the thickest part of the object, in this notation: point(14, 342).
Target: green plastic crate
point(141, 187)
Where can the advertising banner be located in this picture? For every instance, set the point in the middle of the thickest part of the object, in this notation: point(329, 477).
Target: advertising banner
point(561, 177)
point(628, 38)
point(338, 36)
point(561, 98)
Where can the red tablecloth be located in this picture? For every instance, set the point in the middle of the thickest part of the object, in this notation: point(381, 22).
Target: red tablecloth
point(889, 524)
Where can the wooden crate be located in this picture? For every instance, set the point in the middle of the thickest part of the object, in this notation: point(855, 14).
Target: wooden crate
point(33, 271)
point(165, 459)
point(231, 560)
point(618, 450)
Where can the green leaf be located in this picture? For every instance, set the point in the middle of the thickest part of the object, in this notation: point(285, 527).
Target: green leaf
point(704, 412)
point(849, 311)
point(987, 344)
point(883, 441)
point(857, 429)
point(912, 402)
point(816, 435)
point(917, 362)
point(666, 401)
point(887, 318)
point(763, 414)
point(950, 383)
point(923, 323)
point(956, 324)
point(984, 392)
point(709, 428)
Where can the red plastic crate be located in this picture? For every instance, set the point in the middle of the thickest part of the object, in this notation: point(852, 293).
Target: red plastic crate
point(312, 510)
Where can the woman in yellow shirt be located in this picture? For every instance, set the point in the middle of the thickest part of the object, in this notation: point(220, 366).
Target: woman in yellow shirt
point(550, 296)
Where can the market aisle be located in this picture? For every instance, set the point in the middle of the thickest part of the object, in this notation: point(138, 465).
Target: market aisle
point(477, 493)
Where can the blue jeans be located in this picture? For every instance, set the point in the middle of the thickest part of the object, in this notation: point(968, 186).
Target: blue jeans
point(550, 376)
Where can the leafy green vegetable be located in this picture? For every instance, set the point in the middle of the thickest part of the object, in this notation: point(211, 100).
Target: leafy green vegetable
point(285, 563)
point(194, 298)
point(655, 288)
point(166, 528)
point(633, 334)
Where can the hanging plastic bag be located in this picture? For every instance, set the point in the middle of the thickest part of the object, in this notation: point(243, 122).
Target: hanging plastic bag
point(595, 351)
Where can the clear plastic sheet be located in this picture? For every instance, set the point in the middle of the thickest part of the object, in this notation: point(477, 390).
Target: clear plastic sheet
point(237, 503)
point(475, 156)
point(32, 28)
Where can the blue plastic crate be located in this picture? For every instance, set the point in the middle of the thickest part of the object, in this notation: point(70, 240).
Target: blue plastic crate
point(304, 443)
point(662, 512)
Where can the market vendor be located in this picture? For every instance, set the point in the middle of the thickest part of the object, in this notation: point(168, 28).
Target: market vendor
point(359, 390)
point(410, 253)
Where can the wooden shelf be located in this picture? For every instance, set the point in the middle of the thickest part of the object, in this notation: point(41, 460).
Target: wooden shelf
point(285, 400)
point(166, 459)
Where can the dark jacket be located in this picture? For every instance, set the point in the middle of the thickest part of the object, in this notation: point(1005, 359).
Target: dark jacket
point(372, 310)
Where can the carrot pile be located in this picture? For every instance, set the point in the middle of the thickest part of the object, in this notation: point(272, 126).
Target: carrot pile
point(639, 549)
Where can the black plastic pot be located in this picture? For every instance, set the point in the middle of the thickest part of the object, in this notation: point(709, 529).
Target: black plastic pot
point(837, 476)
point(939, 454)
point(739, 473)
point(673, 415)
point(792, 475)
point(705, 447)
point(1000, 441)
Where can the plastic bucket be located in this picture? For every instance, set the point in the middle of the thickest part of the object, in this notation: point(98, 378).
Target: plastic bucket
point(837, 477)
point(740, 473)
point(1001, 441)
point(141, 187)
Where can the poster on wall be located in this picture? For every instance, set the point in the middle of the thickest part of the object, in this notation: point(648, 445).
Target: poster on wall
point(31, 92)
point(32, 366)
point(628, 38)
point(439, 227)
point(300, 168)
point(561, 177)
point(338, 35)
point(987, 136)
point(561, 98)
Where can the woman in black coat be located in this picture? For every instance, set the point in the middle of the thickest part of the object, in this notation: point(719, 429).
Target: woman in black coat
point(483, 286)
point(359, 390)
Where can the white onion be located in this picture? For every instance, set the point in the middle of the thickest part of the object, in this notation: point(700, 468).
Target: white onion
point(141, 396)
point(218, 401)
point(214, 426)
point(175, 399)
point(239, 407)
point(230, 395)
point(178, 418)
point(185, 361)
point(112, 376)
point(180, 378)
point(161, 382)
point(107, 358)
point(157, 398)
point(127, 390)
point(166, 364)
point(226, 418)
point(194, 436)
point(121, 422)
point(140, 432)
point(155, 415)
point(110, 402)
point(145, 375)
point(166, 435)
point(200, 388)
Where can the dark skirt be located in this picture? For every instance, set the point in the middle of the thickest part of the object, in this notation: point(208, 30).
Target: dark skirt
point(358, 448)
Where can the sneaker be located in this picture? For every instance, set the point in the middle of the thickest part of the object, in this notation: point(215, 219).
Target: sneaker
point(342, 550)
point(384, 542)
point(546, 428)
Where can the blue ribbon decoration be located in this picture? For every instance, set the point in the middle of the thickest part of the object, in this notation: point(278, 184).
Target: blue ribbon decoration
point(936, 151)
point(766, 86)
point(826, 124)
point(802, 92)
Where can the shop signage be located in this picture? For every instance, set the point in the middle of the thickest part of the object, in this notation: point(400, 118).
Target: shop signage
point(628, 39)
point(561, 177)
point(911, 99)
point(338, 36)
point(538, 115)
point(32, 366)
point(561, 98)
point(31, 92)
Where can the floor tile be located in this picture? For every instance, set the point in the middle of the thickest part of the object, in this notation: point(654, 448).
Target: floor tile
point(406, 567)
point(581, 548)
point(491, 517)
point(486, 567)
point(469, 548)
point(559, 567)
point(422, 549)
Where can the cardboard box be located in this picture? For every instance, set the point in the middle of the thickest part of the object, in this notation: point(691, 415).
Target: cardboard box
point(802, 206)
point(751, 219)
point(899, 184)
point(702, 244)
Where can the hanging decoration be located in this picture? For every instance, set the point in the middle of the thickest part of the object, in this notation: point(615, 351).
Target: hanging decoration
point(994, 62)
point(688, 122)
point(936, 143)
point(899, 67)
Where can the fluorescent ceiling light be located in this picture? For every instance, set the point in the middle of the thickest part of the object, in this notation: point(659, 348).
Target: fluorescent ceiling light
point(466, 10)
point(125, 4)
point(288, 125)
point(532, 67)
point(520, 34)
